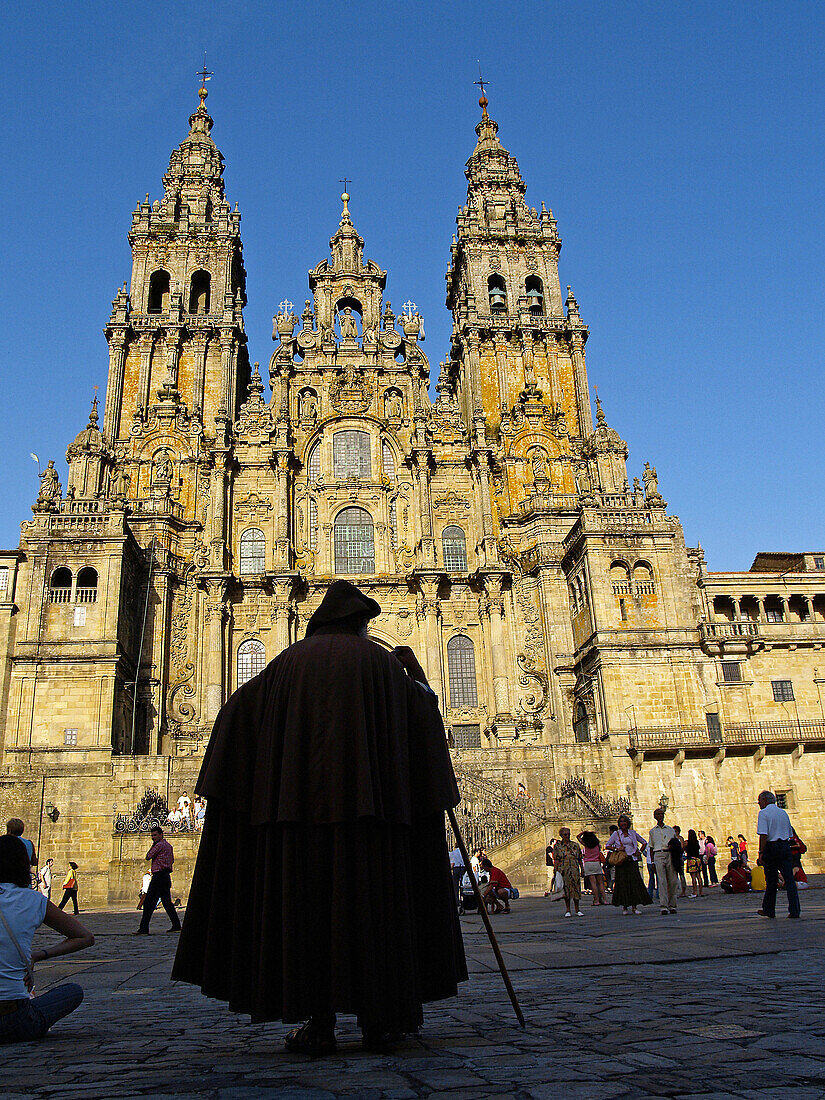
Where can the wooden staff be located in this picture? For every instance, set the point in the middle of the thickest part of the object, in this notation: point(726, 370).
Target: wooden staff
point(482, 908)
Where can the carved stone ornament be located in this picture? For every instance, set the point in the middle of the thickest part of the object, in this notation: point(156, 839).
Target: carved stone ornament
point(254, 502)
point(255, 420)
point(450, 500)
point(350, 393)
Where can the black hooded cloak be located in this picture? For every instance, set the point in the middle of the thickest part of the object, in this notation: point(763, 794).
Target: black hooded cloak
point(322, 881)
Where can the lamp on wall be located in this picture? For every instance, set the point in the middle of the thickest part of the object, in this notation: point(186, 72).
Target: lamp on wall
point(664, 802)
point(52, 812)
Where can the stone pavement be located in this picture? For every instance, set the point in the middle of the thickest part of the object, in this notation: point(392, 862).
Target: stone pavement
point(713, 1002)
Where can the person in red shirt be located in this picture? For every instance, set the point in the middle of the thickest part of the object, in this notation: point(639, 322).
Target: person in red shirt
point(162, 858)
point(497, 892)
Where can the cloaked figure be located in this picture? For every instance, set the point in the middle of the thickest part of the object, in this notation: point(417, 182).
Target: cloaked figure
point(322, 883)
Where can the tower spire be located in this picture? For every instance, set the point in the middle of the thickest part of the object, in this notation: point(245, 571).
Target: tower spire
point(205, 75)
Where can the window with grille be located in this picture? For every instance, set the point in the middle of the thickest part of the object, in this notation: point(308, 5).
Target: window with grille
point(4, 578)
point(782, 691)
point(69, 737)
point(819, 563)
point(251, 660)
point(461, 668)
point(354, 542)
point(387, 460)
point(467, 737)
point(732, 672)
point(782, 800)
point(313, 525)
point(253, 551)
point(314, 463)
point(351, 454)
point(455, 549)
point(581, 725)
point(714, 727)
point(773, 614)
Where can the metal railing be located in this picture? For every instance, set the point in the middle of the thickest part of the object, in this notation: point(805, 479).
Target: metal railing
point(737, 733)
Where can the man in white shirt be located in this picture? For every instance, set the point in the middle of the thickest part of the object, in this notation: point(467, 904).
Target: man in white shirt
point(775, 832)
point(666, 875)
point(457, 868)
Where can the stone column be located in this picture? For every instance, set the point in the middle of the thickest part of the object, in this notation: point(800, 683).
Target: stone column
point(227, 357)
point(199, 346)
point(500, 345)
point(580, 377)
point(430, 608)
point(282, 549)
point(809, 608)
point(160, 645)
point(218, 535)
point(760, 609)
point(215, 613)
point(114, 391)
point(473, 394)
point(147, 341)
point(501, 689)
point(282, 614)
point(421, 477)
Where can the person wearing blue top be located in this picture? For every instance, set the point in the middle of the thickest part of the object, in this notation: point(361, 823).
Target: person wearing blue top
point(22, 911)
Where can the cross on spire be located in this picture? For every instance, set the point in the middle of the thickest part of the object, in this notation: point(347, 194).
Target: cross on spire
point(346, 182)
point(481, 82)
point(205, 75)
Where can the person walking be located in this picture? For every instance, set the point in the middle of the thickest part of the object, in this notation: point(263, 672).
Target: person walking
point(711, 851)
point(660, 838)
point(70, 887)
point(694, 863)
point(322, 883)
point(743, 850)
point(162, 858)
point(567, 856)
point(44, 879)
point(22, 911)
point(592, 864)
point(775, 831)
point(702, 842)
point(628, 891)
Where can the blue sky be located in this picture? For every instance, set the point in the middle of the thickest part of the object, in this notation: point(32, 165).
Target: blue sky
point(680, 147)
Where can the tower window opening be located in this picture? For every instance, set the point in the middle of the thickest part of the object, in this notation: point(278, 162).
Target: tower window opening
point(461, 669)
point(454, 547)
point(253, 552)
point(199, 292)
point(60, 586)
point(534, 289)
point(497, 291)
point(354, 542)
point(87, 585)
point(159, 285)
point(581, 724)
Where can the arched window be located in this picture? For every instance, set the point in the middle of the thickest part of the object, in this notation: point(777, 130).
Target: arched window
point(314, 463)
point(253, 551)
point(643, 579)
point(534, 289)
point(581, 724)
point(158, 292)
point(251, 659)
point(454, 546)
point(313, 525)
point(351, 454)
point(620, 578)
point(87, 585)
point(60, 586)
point(199, 292)
point(497, 291)
point(461, 668)
point(387, 460)
point(354, 542)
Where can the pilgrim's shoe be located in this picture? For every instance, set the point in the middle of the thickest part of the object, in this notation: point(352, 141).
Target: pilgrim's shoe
point(762, 913)
point(140, 932)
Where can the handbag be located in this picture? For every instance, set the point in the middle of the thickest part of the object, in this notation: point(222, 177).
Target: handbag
point(615, 857)
point(557, 893)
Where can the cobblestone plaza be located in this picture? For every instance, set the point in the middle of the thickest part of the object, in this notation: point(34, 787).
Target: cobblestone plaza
point(712, 1002)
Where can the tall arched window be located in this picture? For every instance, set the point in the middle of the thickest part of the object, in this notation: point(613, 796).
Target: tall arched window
point(454, 547)
point(158, 301)
point(581, 724)
point(497, 291)
point(60, 586)
point(387, 460)
point(199, 292)
point(351, 454)
point(313, 525)
point(535, 293)
point(251, 659)
point(314, 463)
point(461, 668)
point(354, 542)
point(253, 551)
point(87, 585)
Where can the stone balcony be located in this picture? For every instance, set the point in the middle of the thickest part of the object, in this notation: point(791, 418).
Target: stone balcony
point(743, 637)
point(749, 738)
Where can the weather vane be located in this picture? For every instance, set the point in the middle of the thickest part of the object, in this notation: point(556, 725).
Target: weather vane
point(481, 81)
point(205, 75)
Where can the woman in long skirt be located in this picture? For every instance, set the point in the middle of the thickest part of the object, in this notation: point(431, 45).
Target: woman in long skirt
point(628, 890)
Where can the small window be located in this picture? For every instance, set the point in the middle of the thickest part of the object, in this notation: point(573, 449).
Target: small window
point(351, 454)
point(314, 463)
point(454, 547)
point(714, 727)
point(387, 460)
point(199, 292)
point(4, 578)
point(80, 616)
point(461, 669)
point(782, 800)
point(819, 563)
point(581, 724)
point(251, 660)
point(732, 672)
point(86, 585)
point(253, 552)
point(354, 542)
point(158, 292)
point(623, 609)
point(69, 737)
point(467, 737)
point(773, 614)
point(782, 691)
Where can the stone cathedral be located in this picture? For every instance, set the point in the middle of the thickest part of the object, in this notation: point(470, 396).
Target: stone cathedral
point(584, 657)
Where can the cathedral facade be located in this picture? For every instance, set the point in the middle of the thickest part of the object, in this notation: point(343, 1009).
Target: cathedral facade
point(584, 656)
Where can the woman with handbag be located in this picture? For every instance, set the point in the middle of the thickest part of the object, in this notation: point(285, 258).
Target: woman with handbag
point(22, 910)
point(70, 888)
point(623, 849)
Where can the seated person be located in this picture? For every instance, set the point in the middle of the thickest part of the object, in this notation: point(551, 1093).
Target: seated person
point(497, 892)
point(737, 880)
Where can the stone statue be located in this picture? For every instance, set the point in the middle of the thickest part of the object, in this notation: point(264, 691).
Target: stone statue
point(49, 485)
point(637, 485)
point(538, 460)
point(585, 484)
point(393, 406)
point(309, 408)
point(163, 467)
point(121, 484)
point(349, 328)
point(651, 481)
